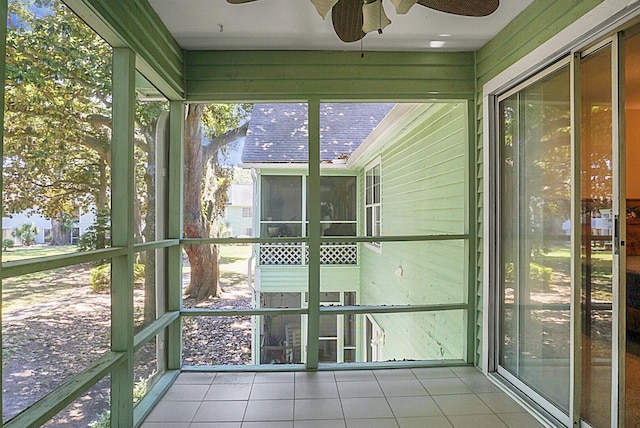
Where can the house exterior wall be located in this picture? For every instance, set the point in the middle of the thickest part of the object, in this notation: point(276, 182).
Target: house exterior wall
point(296, 278)
point(424, 173)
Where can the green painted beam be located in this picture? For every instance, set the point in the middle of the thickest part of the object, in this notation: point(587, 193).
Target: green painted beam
point(135, 24)
point(326, 239)
point(174, 231)
point(338, 310)
point(3, 60)
point(153, 329)
point(44, 409)
point(149, 401)
point(38, 264)
point(204, 312)
point(471, 229)
point(155, 245)
point(314, 231)
point(122, 220)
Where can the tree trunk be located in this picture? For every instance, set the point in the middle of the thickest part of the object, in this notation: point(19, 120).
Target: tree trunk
point(202, 258)
point(59, 234)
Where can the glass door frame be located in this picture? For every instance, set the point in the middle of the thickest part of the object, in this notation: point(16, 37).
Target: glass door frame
point(616, 42)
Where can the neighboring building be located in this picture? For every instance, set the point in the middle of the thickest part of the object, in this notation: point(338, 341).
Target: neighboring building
point(238, 217)
point(359, 196)
point(80, 225)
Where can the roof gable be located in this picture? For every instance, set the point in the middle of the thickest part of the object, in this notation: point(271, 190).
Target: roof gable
point(279, 132)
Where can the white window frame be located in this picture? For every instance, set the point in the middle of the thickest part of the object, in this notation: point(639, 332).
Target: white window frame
point(376, 206)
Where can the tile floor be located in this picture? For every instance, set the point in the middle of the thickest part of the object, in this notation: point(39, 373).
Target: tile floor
point(399, 398)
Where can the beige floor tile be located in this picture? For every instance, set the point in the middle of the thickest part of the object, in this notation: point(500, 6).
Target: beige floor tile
point(334, 423)
point(354, 375)
point(315, 389)
point(221, 411)
point(476, 421)
point(234, 392)
point(404, 407)
point(370, 408)
point(272, 391)
point(520, 420)
point(499, 402)
point(402, 388)
point(433, 372)
point(186, 393)
point(422, 422)
point(323, 408)
point(372, 423)
point(461, 404)
point(451, 385)
point(269, 410)
point(174, 411)
point(359, 389)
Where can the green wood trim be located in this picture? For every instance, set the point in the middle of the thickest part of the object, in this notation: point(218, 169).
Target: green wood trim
point(313, 211)
point(353, 58)
point(242, 312)
point(135, 24)
point(146, 405)
point(148, 246)
point(392, 309)
point(123, 185)
point(357, 88)
point(321, 71)
point(327, 366)
point(174, 230)
point(540, 21)
point(3, 60)
point(223, 241)
point(471, 185)
point(38, 264)
point(325, 239)
point(44, 409)
point(153, 329)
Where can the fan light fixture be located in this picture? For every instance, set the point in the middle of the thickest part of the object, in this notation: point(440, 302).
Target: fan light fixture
point(373, 16)
point(352, 19)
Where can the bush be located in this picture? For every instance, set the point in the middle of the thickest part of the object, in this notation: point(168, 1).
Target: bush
point(6, 244)
point(26, 233)
point(100, 277)
point(139, 391)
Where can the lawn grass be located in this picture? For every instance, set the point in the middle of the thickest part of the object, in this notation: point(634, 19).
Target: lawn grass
point(32, 251)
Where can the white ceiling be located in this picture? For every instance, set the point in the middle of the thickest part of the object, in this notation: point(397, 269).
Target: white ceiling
point(295, 25)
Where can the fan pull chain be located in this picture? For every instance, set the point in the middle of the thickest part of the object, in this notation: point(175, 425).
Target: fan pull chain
point(361, 50)
point(380, 19)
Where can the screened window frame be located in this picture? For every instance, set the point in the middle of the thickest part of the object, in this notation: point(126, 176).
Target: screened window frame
point(372, 201)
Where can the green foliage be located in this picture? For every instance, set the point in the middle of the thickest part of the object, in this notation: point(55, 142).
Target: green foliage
point(540, 277)
point(58, 102)
point(96, 235)
point(139, 391)
point(100, 277)
point(26, 233)
point(6, 244)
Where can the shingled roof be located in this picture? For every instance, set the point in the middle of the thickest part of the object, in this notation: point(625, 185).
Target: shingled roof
point(279, 132)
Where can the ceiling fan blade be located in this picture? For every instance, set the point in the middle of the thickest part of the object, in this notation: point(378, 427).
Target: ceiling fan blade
point(347, 20)
point(463, 7)
point(240, 1)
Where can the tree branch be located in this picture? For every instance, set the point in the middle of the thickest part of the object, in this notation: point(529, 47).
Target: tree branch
point(224, 139)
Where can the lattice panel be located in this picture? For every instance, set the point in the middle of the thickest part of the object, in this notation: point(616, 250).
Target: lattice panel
point(280, 254)
point(273, 254)
point(336, 254)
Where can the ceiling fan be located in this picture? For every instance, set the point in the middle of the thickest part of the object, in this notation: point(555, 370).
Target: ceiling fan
point(352, 19)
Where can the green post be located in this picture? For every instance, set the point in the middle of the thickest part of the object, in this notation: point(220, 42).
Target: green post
point(122, 184)
point(174, 231)
point(3, 58)
point(313, 206)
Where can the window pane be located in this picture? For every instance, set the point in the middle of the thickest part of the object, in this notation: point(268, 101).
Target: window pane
point(281, 198)
point(338, 196)
point(535, 206)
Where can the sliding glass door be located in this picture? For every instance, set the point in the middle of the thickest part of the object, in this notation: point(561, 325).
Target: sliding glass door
point(535, 247)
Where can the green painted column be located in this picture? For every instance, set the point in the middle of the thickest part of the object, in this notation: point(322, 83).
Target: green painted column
point(174, 231)
point(3, 57)
point(313, 205)
point(122, 189)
